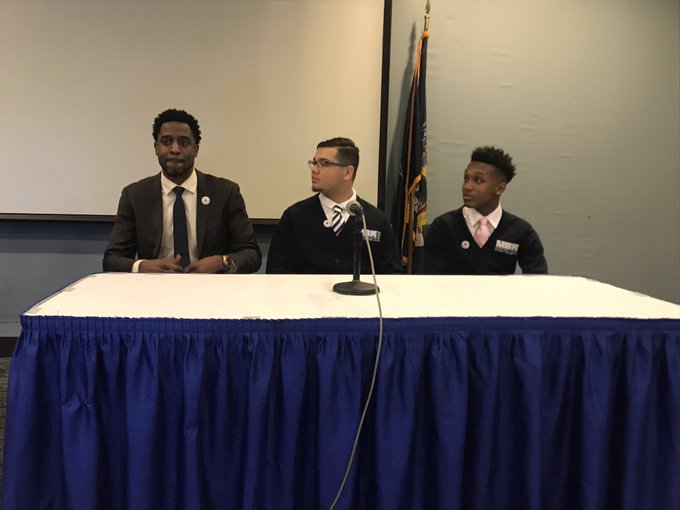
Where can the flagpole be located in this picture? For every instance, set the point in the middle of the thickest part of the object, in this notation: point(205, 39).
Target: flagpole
point(410, 193)
point(413, 178)
point(413, 222)
point(411, 240)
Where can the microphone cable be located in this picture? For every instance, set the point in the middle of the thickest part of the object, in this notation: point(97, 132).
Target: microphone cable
point(375, 370)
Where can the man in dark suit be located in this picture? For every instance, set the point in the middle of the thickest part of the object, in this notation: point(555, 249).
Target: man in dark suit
point(316, 235)
point(181, 220)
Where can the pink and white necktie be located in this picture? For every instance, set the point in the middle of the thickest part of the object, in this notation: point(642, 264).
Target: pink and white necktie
point(482, 232)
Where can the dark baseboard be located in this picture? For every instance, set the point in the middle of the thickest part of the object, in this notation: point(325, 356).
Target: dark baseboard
point(7, 344)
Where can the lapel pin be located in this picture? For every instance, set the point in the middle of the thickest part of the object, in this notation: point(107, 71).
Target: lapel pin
point(205, 200)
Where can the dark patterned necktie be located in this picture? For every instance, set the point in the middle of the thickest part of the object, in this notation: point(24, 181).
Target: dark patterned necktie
point(336, 222)
point(179, 227)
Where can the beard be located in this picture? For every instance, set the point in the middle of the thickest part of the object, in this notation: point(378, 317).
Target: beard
point(176, 167)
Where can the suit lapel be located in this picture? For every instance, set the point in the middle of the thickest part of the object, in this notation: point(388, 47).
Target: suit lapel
point(201, 211)
point(155, 214)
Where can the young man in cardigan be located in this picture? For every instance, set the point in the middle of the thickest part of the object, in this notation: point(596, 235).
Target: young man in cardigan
point(480, 237)
point(316, 235)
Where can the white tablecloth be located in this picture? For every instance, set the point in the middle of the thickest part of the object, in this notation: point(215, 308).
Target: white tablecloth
point(195, 296)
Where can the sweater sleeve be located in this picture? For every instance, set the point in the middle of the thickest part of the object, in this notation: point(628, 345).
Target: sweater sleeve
point(281, 256)
point(436, 248)
point(530, 256)
point(390, 259)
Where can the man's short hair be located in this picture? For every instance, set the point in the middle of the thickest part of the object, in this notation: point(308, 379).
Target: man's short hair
point(173, 115)
point(348, 152)
point(497, 158)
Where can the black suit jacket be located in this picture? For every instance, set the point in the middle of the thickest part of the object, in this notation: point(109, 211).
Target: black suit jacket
point(222, 226)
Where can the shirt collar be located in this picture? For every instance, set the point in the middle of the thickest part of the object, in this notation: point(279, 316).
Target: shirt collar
point(472, 216)
point(190, 184)
point(328, 204)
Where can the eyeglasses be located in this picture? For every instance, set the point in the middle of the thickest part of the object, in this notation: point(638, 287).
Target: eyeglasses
point(323, 163)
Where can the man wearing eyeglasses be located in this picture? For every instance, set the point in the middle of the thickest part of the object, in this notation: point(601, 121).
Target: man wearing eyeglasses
point(315, 236)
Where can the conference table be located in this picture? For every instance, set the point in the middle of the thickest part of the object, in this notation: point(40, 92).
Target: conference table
point(139, 391)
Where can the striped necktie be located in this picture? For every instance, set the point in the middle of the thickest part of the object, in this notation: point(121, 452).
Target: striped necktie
point(336, 222)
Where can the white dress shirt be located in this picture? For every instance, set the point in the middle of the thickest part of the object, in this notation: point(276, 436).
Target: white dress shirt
point(472, 217)
point(189, 196)
point(327, 205)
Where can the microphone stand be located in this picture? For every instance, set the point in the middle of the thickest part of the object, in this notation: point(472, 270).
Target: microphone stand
point(356, 287)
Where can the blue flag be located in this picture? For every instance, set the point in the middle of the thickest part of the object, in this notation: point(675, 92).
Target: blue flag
point(410, 206)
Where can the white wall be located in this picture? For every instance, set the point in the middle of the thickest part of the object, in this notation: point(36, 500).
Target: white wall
point(82, 81)
point(586, 97)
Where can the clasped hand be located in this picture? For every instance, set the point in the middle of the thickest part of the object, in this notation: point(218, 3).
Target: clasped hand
point(212, 264)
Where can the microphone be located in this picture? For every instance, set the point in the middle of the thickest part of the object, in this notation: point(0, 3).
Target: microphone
point(359, 288)
point(354, 208)
point(356, 287)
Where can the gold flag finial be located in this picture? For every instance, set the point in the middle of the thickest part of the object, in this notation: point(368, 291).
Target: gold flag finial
point(427, 16)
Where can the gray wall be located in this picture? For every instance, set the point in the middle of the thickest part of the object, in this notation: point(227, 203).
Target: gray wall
point(39, 258)
point(585, 96)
